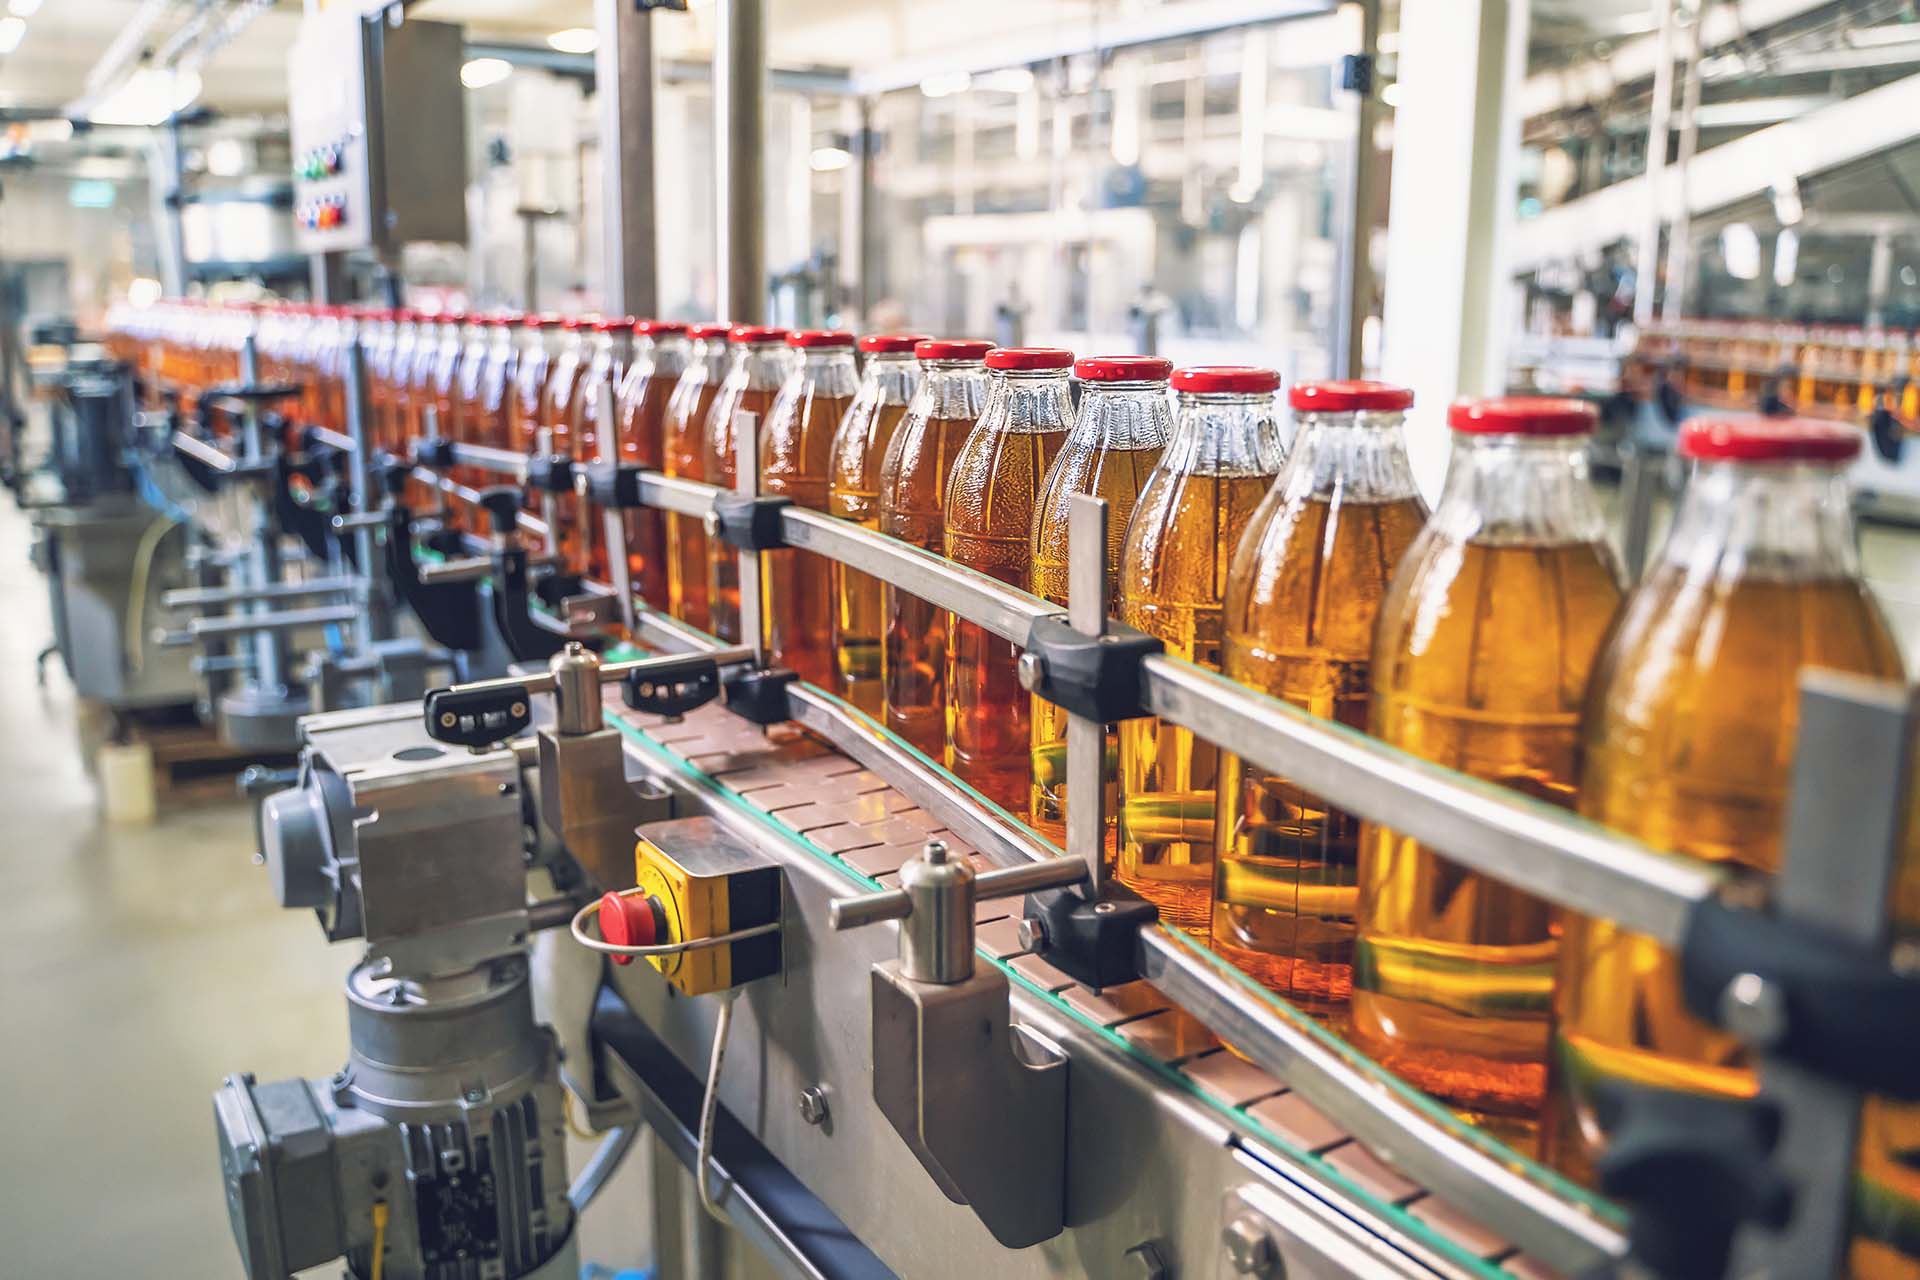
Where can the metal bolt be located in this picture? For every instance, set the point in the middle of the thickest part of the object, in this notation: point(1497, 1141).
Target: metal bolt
point(475, 1095)
point(448, 719)
point(1250, 1247)
point(1103, 908)
point(935, 851)
point(1754, 1009)
point(519, 709)
point(1032, 669)
point(1032, 933)
point(813, 1104)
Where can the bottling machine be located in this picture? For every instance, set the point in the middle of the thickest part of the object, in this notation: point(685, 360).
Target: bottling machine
point(883, 1028)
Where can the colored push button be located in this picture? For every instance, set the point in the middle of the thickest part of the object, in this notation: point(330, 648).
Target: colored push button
point(634, 921)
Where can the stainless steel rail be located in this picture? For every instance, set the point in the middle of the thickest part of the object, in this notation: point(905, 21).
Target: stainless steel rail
point(204, 454)
point(526, 520)
point(200, 597)
point(501, 461)
point(334, 439)
point(252, 623)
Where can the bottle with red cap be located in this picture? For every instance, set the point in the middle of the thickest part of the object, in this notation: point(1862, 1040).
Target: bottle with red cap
point(1118, 436)
point(378, 333)
point(1488, 630)
point(987, 520)
point(559, 424)
point(471, 337)
point(660, 357)
point(609, 348)
point(887, 384)
point(796, 450)
point(684, 446)
point(1303, 595)
point(540, 341)
point(757, 365)
point(1688, 736)
point(391, 415)
point(913, 495)
point(1223, 455)
point(492, 402)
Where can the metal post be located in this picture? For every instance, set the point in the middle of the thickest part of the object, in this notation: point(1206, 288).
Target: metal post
point(746, 470)
point(856, 208)
point(327, 277)
point(163, 167)
point(739, 141)
point(623, 84)
point(1679, 245)
point(1639, 481)
point(612, 523)
point(263, 558)
point(1353, 293)
point(1646, 260)
point(1087, 739)
point(375, 622)
point(1879, 276)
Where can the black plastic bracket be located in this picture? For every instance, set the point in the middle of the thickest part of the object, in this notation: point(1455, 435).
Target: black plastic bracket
point(501, 502)
point(433, 451)
point(478, 717)
point(672, 686)
point(1356, 73)
point(1092, 942)
point(550, 473)
point(1888, 436)
point(1094, 677)
point(750, 523)
point(525, 640)
point(761, 695)
point(1849, 1015)
point(448, 611)
point(614, 484)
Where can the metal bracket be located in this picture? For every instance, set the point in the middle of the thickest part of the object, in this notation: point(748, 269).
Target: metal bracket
point(614, 484)
point(552, 473)
point(749, 522)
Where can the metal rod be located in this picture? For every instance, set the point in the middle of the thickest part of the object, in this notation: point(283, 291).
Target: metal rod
point(739, 141)
point(334, 439)
point(1545, 850)
point(525, 520)
point(746, 435)
point(204, 454)
point(262, 566)
point(623, 77)
point(1001, 882)
point(375, 622)
point(485, 458)
point(1646, 260)
point(670, 493)
point(287, 620)
point(200, 597)
point(1086, 738)
point(613, 526)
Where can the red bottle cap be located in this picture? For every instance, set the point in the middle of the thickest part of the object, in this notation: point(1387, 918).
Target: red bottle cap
point(811, 338)
point(891, 343)
point(1029, 358)
point(571, 323)
point(748, 334)
point(1351, 396)
point(627, 922)
point(543, 321)
point(1226, 379)
point(950, 349)
point(614, 324)
point(709, 330)
point(658, 328)
point(1755, 439)
point(1522, 416)
point(1122, 369)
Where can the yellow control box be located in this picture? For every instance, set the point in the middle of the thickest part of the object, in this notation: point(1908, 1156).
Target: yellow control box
point(708, 882)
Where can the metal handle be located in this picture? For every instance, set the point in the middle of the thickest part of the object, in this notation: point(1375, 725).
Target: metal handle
point(1002, 882)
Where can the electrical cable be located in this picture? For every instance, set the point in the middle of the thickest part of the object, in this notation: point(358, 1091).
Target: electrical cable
point(378, 1266)
point(592, 909)
point(703, 1154)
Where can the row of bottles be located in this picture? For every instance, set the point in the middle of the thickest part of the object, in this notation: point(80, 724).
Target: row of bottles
point(1820, 371)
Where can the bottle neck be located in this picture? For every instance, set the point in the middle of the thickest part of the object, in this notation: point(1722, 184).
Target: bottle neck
point(890, 377)
point(1764, 521)
point(663, 356)
point(759, 365)
point(1023, 403)
point(1519, 489)
point(1124, 415)
point(953, 390)
point(829, 371)
point(1360, 457)
point(1224, 435)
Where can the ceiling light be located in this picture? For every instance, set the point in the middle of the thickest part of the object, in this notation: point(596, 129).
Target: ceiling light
point(226, 158)
point(12, 32)
point(829, 159)
point(1740, 249)
point(946, 84)
point(147, 97)
point(23, 8)
point(1786, 257)
point(574, 40)
point(481, 72)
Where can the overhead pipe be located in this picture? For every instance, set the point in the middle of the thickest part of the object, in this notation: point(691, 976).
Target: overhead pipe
point(740, 139)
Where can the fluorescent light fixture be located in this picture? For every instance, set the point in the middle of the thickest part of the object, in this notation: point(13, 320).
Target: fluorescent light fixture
point(1786, 257)
point(12, 32)
point(574, 40)
point(90, 193)
point(946, 84)
point(147, 97)
point(829, 159)
point(1740, 247)
point(226, 158)
point(481, 72)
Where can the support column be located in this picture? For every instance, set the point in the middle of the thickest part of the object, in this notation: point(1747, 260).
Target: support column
point(1646, 258)
point(740, 141)
point(1456, 142)
point(1353, 297)
point(163, 179)
point(623, 92)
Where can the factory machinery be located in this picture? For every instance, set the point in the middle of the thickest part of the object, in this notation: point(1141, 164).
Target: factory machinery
point(883, 1028)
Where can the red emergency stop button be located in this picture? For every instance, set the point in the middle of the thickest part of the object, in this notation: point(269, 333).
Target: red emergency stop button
point(636, 920)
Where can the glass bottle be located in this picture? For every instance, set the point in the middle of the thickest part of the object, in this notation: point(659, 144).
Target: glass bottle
point(393, 411)
point(1118, 436)
point(458, 339)
point(913, 492)
point(493, 404)
point(1223, 455)
point(1303, 594)
point(609, 350)
point(380, 330)
point(1688, 734)
point(660, 357)
point(1485, 639)
point(539, 343)
point(756, 366)
point(685, 448)
point(559, 415)
point(796, 447)
point(992, 494)
point(887, 384)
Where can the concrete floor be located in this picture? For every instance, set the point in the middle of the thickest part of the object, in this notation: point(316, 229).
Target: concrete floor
point(140, 965)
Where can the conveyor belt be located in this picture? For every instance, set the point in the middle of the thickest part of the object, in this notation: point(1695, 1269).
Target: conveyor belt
point(850, 816)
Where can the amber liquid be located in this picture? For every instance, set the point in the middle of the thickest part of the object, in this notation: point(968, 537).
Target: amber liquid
point(1480, 665)
point(564, 390)
point(529, 410)
point(1172, 583)
point(1118, 475)
point(796, 587)
point(914, 648)
point(722, 463)
point(1688, 746)
point(989, 527)
point(684, 441)
point(859, 606)
point(1286, 881)
point(641, 433)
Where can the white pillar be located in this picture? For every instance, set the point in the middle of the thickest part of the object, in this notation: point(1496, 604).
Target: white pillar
point(1456, 136)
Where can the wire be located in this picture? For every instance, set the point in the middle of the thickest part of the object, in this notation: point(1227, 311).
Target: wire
point(378, 1266)
point(592, 909)
point(703, 1155)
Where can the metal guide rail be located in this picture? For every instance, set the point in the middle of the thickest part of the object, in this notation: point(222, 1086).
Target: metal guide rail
point(1739, 953)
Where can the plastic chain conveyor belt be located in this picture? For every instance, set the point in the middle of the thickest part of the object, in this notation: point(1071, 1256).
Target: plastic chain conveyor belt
point(851, 817)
